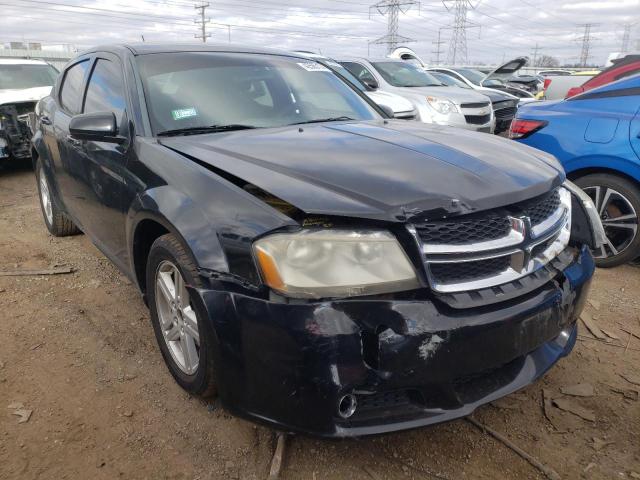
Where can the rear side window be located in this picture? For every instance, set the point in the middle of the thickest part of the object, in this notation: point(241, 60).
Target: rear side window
point(105, 92)
point(71, 90)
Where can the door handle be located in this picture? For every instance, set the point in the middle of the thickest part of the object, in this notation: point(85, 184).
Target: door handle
point(45, 120)
point(74, 142)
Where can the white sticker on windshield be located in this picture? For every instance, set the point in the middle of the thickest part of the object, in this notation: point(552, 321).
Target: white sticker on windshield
point(184, 113)
point(314, 67)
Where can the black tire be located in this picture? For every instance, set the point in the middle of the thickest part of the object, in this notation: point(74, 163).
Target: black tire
point(202, 382)
point(631, 193)
point(58, 223)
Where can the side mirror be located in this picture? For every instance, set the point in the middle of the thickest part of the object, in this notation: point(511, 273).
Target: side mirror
point(371, 83)
point(387, 110)
point(98, 127)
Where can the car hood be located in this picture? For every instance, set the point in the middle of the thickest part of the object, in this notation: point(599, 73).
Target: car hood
point(507, 70)
point(24, 95)
point(498, 96)
point(456, 94)
point(383, 171)
point(391, 100)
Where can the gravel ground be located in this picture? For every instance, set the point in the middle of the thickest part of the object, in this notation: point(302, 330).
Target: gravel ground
point(78, 351)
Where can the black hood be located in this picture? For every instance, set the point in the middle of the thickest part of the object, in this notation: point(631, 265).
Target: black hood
point(378, 171)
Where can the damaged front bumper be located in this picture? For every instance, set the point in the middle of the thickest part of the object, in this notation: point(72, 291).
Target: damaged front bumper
point(365, 366)
point(15, 130)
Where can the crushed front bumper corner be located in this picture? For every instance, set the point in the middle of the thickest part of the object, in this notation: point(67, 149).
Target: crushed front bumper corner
point(408, 363)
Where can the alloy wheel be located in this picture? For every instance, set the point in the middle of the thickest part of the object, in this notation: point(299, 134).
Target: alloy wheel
point(45, 198)
point(619, 218)
point(178, 320)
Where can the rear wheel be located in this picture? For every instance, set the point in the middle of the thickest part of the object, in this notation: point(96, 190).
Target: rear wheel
point(185, 339)
point(57, 222)
point(617, 200)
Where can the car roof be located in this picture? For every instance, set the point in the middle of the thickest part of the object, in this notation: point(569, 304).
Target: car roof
point(21, 61)
point(152, 48)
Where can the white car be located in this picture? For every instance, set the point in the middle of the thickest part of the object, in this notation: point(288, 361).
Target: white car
point(22, 84)
point(401, 107)
point(434, 101)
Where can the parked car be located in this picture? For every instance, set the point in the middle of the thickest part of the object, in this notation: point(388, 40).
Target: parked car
point(22, 84)
point(401, 107)
point(596, 137)
point(558, 72)
point(508, 74)
point(556, 86)
point(621, 68)
point(434, 101)
point(476, 80)
point(322, 268)
point(504, 104)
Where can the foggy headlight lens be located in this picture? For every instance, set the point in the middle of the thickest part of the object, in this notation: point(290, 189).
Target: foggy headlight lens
point(441, 105)
point(334, 263)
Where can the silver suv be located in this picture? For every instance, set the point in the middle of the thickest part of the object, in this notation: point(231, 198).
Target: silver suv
point(434, 101)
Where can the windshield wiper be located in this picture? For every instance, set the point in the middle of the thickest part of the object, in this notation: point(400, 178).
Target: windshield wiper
point(204, 129)
point(319, 120)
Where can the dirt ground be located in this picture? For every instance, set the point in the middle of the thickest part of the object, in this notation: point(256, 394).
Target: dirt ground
point(78, 350)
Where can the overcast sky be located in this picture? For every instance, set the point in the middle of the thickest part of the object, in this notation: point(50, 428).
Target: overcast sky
point(505, 28)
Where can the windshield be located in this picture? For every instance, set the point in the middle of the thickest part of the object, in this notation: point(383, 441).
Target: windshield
point(402, 74)
point(191, 90)
point(474, 76)
point(449, 80)
point(20, 77)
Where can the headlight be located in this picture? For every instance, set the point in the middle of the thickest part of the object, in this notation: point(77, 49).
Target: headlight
point(441, 105)
point(334, 263)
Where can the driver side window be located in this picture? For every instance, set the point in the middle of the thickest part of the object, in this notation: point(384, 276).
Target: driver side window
point(105, 92)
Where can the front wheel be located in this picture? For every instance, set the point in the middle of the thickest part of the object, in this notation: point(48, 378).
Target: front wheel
point(184, 337)
point(617, 201)
point(56, 221)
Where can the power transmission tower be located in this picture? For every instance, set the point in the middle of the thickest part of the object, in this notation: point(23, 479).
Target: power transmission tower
point(392, 9)
point(625, 38)
point(535, 55)
point(586, 43)
point(202, 21)
point(438, 44)
point(458, 44)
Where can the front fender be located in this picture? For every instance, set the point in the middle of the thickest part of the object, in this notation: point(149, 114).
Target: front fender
point(178, 214)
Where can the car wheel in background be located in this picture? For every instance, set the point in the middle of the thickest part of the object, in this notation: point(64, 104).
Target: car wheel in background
point(184, 337)
point(618, 203)
point(57, 222)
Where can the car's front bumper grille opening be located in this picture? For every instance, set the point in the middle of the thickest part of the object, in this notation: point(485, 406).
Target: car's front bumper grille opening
point(487, 249)
point(465, 271)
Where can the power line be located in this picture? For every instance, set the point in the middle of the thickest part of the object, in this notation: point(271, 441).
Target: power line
point(535, 55)
point(458, 45)
point(625, 38)
point(586, 43)
point(438, 44)
point(202, 21)
point(392, 10)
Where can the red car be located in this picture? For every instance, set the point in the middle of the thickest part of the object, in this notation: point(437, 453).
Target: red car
point(622, 67)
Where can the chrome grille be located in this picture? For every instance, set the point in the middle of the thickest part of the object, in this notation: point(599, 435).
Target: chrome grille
point(505, 113)
point(489, 249)
point(540, 211)
point(480, 228)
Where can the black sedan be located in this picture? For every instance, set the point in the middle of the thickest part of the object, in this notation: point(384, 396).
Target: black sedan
point(320, 267)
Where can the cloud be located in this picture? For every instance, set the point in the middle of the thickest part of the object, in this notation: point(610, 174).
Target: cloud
point(498, 28)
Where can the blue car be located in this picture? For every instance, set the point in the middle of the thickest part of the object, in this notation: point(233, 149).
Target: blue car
point(596, 137)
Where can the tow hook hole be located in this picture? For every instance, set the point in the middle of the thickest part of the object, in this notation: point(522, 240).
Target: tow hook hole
point(347, 406)
point(371, 347)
